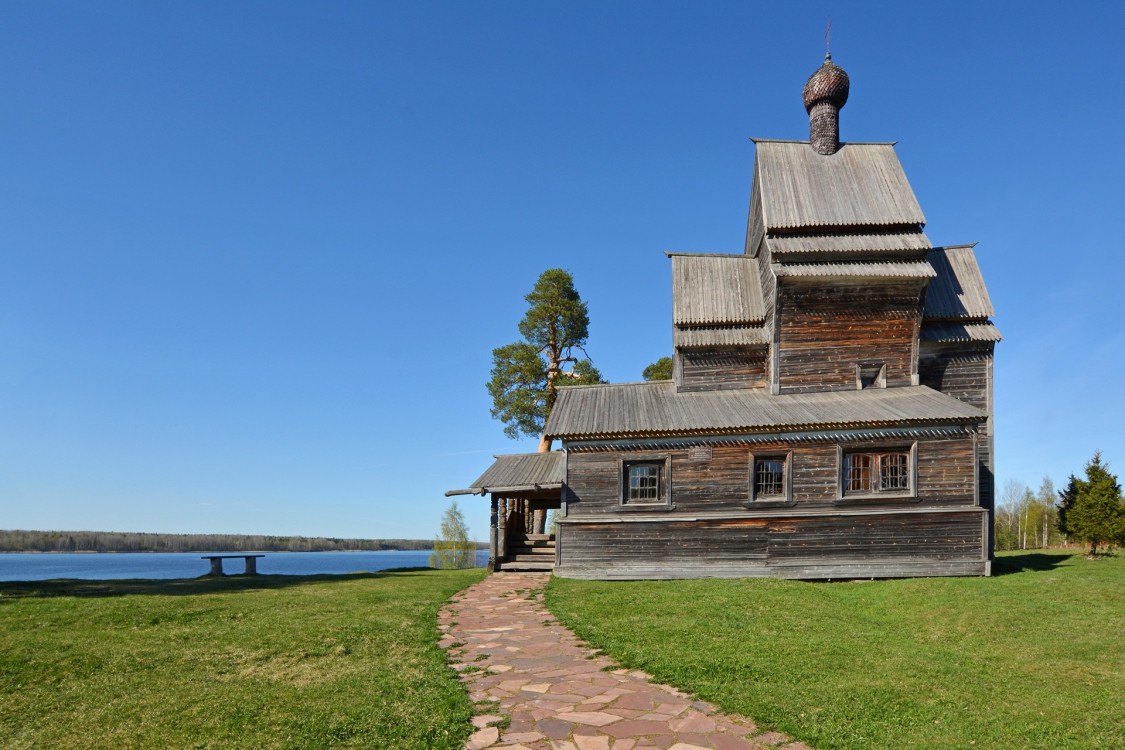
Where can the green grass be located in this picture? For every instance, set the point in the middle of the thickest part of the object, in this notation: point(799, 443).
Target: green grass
point(263, 662)
point(1033, 657)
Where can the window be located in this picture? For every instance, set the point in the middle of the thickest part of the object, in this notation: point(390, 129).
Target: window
point(893, 476)
point(769, 479)
point(870, 375)
point(644, 483)
point(877, 472)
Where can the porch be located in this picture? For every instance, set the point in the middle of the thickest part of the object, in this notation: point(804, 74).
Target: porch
point(524, 488)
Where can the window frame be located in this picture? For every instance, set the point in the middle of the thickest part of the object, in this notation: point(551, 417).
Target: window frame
point(785, 498)
point(663, 462)
point(872, 493)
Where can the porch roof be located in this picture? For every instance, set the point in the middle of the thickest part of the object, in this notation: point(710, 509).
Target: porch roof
point(518, 472)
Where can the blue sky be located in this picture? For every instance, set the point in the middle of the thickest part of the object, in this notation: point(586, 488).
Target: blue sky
point(254, 256)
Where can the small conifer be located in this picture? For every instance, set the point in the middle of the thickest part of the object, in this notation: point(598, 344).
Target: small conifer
point(1092, 509)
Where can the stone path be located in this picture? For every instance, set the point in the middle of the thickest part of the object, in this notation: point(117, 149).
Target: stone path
point(548, 691)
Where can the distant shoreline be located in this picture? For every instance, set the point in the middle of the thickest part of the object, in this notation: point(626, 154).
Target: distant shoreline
point(45, 542)
point(189, 552)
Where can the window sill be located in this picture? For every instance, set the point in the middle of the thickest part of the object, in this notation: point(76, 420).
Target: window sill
point(877, 500)
point(752, 504)
point(642, 508)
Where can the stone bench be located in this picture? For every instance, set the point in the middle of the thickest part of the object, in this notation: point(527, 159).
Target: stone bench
point(217, 563)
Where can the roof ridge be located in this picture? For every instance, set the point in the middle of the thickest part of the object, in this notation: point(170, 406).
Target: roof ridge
point(683, 253)
point(584, 386)
point(842, 143)
point(531, 453)
point(968, 246)
point(851, 261)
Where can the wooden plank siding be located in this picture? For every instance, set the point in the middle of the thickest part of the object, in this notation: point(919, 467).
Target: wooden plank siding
point(836, 546)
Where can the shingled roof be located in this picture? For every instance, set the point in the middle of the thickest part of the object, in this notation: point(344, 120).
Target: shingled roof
point(861, 185)
point(959, 332)
point(519, 472)
point(892, 243)
point(958, 292)
point(701, 338)
point(715, 289)
point(655, 409)
point(915, 269)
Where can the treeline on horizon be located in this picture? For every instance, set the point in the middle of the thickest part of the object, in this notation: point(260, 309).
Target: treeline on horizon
point(123, 541)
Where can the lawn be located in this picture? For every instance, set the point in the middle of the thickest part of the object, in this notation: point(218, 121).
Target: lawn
point(263, 662)
point(1033, 657)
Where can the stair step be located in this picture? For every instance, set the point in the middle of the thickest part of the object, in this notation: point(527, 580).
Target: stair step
point(547, 551)
point(517, 566)
point(539, 543)
point(531, 558)
point(540, 537)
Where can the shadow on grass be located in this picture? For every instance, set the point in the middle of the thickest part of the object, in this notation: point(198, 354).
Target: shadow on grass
point(229, 584)
point(1026, 562)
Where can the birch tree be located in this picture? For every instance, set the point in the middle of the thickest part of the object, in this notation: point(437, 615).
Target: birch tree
point(453, 548)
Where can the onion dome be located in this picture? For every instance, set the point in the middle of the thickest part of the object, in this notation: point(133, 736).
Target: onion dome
point(829, 83)
point(825, 92)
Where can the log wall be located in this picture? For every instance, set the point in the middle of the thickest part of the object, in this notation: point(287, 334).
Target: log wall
point(843, 545)
point(946, 475)
point(961, 373)
point(964, 371)
point(713, 528)
point(825, 331)
point(722, 369)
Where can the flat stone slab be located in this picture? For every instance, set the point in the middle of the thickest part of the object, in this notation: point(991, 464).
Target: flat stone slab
point(560, 694)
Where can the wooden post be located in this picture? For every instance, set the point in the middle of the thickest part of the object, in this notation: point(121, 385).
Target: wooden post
point(492, 535)
point(502, 531)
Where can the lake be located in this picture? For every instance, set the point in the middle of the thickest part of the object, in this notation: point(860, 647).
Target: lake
point(22, 566)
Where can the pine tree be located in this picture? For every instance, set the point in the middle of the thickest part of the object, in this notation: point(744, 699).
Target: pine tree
point(661, 369)
point(526, 375)
point(452, 548)
point(1092, 509)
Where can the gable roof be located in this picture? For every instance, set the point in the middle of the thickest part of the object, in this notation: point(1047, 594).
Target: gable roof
point(862, 184)
point(652, 409)
point(518, 472)
point(716, 289)
point(958, 292)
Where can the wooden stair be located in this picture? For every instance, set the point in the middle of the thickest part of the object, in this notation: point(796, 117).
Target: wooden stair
point(535, 552)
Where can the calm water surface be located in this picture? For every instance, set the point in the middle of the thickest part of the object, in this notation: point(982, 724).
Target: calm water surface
point(15, 566)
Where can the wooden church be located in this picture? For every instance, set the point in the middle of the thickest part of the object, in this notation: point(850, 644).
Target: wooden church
point(830, 412)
